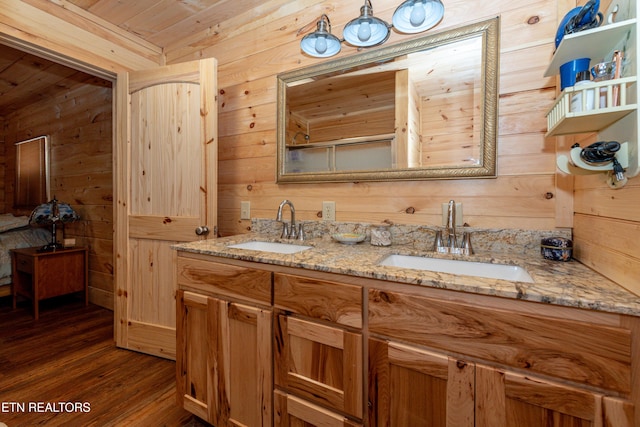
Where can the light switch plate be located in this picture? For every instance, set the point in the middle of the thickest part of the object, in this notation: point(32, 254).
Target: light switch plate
point(245, 210)
point(445, 211)
point(328, 211)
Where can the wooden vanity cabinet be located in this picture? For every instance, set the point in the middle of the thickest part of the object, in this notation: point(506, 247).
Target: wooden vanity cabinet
point(224, 357)
point(269, 345)
point(318, 358)
point(447, 363)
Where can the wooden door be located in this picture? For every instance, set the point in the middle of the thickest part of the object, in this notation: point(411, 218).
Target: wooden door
point(507, 399)
point(320, 363)
point(165, 188)
point(409, 386)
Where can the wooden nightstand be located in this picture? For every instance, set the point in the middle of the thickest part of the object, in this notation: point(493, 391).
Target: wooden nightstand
point(41, 275)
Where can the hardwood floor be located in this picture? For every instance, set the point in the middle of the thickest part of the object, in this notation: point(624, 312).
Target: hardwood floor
point(64, 369)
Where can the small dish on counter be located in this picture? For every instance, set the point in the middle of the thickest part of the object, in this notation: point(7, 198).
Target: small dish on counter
point(349, 238)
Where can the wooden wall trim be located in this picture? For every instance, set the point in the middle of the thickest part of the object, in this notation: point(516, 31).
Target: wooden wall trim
point(121, 189)
point(48, 30)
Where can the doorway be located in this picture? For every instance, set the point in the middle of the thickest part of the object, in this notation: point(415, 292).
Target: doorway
point(75, 109)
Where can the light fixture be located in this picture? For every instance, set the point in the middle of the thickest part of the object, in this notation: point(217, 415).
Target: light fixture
point(415, 16)
point(366, 30)
point(52, 213)
point(321, 43)
point(412, 16)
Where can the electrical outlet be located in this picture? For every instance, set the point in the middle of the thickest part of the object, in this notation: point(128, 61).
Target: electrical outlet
point(328, 211)
point(445, 211)
point(245, 210)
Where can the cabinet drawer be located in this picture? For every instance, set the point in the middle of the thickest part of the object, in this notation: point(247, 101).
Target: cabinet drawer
point(321, 363)
point(293, 411)
point(320, 299)
point(230, 280)
point(24, 263)
point(586, 353)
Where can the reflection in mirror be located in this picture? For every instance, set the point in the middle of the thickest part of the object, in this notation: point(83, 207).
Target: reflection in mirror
point(422, 109)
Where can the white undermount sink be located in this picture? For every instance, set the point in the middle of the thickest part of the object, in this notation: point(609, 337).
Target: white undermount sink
point(275, 247)
point(465, 268)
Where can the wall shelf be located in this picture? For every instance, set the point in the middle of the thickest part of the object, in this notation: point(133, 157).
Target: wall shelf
point(615, 116)
point(562, 121)
point(595, 44)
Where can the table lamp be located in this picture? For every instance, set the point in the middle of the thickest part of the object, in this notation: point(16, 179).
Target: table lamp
point(52, 213)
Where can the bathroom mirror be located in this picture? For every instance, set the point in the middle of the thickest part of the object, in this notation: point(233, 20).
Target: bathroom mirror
point(421, 109)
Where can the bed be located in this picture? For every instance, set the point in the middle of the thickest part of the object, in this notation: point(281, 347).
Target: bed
point(15, 232)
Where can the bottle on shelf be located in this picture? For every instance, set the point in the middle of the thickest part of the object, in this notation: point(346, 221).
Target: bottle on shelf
point(577, 104)
point(602, 72)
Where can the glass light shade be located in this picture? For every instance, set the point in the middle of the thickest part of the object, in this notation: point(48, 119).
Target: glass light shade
point(321, 43)
point(415, 16)
point(51, 213)
point(366, 30)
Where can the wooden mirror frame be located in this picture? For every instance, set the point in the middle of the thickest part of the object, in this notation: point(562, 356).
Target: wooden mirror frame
point(488, 30)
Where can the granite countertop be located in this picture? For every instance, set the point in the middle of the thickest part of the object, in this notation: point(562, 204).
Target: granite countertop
point(570, 284)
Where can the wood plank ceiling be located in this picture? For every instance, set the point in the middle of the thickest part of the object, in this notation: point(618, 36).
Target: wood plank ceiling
point(162, 22)
point(25, 78)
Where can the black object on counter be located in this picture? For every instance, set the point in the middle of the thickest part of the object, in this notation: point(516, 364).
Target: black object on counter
point(556, 248)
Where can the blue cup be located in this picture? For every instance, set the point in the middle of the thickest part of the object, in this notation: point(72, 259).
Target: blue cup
point(568, 71)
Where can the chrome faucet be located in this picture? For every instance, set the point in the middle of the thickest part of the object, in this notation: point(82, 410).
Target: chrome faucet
point(451, 225)
point(289, 231)
point(452, 246)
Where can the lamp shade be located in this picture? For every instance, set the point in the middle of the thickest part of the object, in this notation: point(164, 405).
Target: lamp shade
point(52, 213)
point(366, 30)
point(415, 16)
point(321, 43)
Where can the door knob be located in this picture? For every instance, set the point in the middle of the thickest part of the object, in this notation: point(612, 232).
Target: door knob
point(202, 230)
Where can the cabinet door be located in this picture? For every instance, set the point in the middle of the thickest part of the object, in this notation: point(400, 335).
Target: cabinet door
point(413, 387)
point(291, 411)
point(242, 347)
point(507, 399)
point(320, 363)
point(195, 357)
point(224, 361)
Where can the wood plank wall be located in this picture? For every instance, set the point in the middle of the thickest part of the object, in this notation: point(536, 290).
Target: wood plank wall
point(606, 222)
point(607, 227)
point(79, 123)
point(254, 47)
